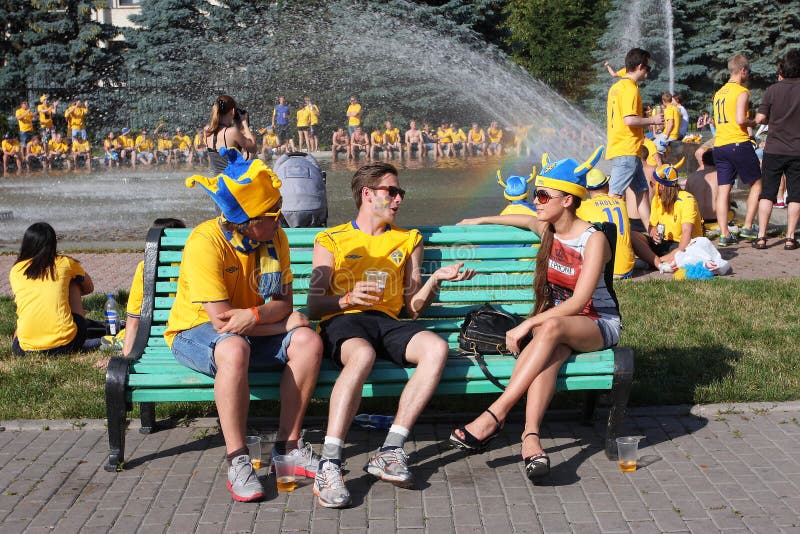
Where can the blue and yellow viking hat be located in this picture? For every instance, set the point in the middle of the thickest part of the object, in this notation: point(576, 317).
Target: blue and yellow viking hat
point(667, 174)
point(567, 175)
point(245, 189)
point(515, 187)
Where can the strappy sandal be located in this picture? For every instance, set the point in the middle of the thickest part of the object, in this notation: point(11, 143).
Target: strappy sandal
point(790, 244)
point(760, 243)
point(472, 444)
point(538, 465)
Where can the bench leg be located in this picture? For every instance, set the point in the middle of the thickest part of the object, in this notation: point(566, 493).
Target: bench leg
point(148, 413)
point(620, 392)
point(116, 409)
point(589, 403)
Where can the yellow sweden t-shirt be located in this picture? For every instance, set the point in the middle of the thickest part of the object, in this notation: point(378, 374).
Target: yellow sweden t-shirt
point(136, 294)
point(671, 112)
point(623, 101)
point(44, 318)
point(213, 271)
point(724, 104)
point(685, 210)
point(356, 119)
point(603, 208)
point(354, 252)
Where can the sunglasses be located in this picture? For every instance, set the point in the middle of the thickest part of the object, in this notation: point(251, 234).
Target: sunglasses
point(543, 197)
point(269, 215)
point(391, 190)
point(647, 68)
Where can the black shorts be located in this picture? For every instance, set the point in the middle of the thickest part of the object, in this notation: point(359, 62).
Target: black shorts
point(389, 337)
point(282, 131)
point(774, 167)
point(302, 128)
point(663, 248)
point(73, 346)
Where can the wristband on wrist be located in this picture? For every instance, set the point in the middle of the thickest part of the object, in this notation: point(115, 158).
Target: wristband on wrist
point(345, 300)
point(254, 311)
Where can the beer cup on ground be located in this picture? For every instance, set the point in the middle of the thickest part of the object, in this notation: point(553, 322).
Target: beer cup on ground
point(254, 446)
point(285, 476)
point(628, 449)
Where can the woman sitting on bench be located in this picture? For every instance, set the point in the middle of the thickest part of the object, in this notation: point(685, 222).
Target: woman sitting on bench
point(575, 311)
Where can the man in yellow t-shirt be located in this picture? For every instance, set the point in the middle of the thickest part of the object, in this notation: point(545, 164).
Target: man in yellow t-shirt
point(625, 133)
point(445, 139)
point(36, 153)
point(164, 150)
point(376, 143)
point(476, 139)
point(734, 154)
point(495, 138)
point(270, 144)
point(12, 150)
point(359, 322)
point(459, 138)
point(303, 125)
point(313, 126)
point(233, 312)
point(57, 150)
point(353, 114)
point(181, 146)
point(391, 140)
point(46, 111)
point(599, 208)
point(25, 120)
point(81, 150)
point(127, 144)
point(144, 147)
point(76, 118)
point(672, 118)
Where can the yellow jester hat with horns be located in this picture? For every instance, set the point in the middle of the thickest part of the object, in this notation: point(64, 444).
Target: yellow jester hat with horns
point(668, 174)
point(567, 175)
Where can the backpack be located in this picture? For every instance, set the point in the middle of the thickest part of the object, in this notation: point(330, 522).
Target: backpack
point(302, 188)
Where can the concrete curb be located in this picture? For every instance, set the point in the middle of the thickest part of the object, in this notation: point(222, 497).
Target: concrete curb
point(699, 410)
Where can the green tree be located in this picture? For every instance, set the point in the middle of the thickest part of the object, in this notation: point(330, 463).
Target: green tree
point(172, 62)
point(14, 15)
point(554, 40)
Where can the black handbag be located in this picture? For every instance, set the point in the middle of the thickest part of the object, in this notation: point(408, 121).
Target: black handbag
point(484, 332)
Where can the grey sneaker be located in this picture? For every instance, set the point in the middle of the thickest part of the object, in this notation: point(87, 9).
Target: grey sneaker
point(749, 233)
point(391, 466)
point(243, 481)
point(329, 486)
point(307, 459)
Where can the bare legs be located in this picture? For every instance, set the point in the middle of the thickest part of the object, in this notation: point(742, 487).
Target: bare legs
point(536, 370)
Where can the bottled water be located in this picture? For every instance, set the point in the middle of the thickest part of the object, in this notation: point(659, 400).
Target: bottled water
point(374, 421)
point(112, 316)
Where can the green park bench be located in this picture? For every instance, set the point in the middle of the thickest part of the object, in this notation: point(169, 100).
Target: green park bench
point(504, 278)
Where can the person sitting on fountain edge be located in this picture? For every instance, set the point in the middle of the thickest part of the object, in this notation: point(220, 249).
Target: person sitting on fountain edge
point(233, 311)
point(359, 323)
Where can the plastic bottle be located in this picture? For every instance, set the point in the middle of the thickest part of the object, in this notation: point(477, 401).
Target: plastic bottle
point(374, 421)
point(112, 316)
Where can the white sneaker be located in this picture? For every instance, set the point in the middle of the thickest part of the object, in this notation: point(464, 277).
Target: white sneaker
point(329, 486)
point(243, 481)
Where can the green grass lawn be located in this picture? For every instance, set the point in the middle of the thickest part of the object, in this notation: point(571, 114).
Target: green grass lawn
point(694, 342)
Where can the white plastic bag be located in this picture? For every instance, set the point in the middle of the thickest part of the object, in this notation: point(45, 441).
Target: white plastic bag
point(701, 250)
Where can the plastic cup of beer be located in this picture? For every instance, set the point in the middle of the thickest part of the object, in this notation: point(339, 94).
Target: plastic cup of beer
point(628, 449)
point(254, 446)
point(285, 475)
point(378, 277)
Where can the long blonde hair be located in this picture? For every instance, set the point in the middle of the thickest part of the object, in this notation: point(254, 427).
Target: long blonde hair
point(667, 196)
point(222, 105)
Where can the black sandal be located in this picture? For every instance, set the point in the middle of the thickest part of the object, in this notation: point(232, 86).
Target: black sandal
point(790, 244)
point(760, 243)
point(538, 465)
point(472, 444)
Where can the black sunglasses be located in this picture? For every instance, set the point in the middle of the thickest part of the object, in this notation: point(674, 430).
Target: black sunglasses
point(543, 197)
point(647, 68)
point(391, 190)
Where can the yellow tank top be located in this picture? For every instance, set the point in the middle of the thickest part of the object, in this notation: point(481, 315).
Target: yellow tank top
point(728, 131)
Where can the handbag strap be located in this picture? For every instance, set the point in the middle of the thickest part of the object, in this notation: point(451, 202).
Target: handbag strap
point(482, 364)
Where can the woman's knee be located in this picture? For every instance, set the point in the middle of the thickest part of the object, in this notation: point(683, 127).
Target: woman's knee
point(549, 329)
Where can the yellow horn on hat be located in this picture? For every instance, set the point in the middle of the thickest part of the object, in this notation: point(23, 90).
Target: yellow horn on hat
point(680, 163)
point(500, 178)
point(533, 175)
point(589, 163)
point(545, 160)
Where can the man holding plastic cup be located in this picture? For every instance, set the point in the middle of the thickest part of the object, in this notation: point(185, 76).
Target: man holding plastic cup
point(360, 324)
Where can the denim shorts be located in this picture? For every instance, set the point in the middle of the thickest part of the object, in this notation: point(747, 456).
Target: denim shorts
point(79, 133)
point(194, 348)
point(627, 171)
point(610, 329)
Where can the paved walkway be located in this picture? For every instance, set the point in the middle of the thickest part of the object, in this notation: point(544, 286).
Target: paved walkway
point(726, 469)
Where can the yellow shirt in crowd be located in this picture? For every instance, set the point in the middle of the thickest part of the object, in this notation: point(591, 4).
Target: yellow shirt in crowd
point(354, 252)
point(182, 142)
point(724, 104)
point(356, 119)
point(125, 140)
point(145, 143)
point(25, 119)
point(54, 146)
point(477, 136)
point(44, 318)
point(444, 135)
point(76, 117)
point(495, 135)
point(303, 117)
point(391, 136)
point(623, 101)
point(671, 112)
point(603, 208)
point(685, 210)
point(164, 144)
point(79, 146)
point(35, 149)
point(10, 145)
point(213, 271)
point(45, 115)
point(376, 137)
